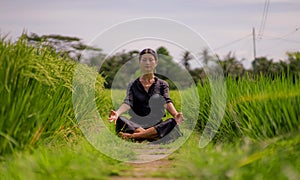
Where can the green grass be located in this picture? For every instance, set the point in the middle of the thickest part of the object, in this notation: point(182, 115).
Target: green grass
point(275, 158)
point(269, 109)
point(258, 138)
point(35, 92)
point(77, 160)
point(259, 108)
point(40, 136)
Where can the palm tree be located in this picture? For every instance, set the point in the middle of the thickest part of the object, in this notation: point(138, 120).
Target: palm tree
point(231, 66)
point(187, 56)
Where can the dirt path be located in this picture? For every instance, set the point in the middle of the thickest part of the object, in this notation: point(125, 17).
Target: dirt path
point(152, 163)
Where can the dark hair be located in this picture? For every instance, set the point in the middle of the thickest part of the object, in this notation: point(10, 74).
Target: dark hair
point(148, 51)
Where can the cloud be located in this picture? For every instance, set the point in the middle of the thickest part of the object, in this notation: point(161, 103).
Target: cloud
point(218, 21)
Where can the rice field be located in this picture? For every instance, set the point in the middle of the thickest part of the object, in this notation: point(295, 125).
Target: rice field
point(40, 136)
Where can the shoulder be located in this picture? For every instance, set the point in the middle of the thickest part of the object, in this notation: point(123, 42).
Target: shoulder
point(132, 83)
point(162, 82)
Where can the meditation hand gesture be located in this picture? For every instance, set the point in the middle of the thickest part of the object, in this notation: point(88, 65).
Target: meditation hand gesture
point(179, 118)
point(113, 116)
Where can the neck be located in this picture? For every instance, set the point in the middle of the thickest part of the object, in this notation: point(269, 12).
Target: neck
point(148, 76)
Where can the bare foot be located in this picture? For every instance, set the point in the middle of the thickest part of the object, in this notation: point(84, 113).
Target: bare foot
point(125, 135)
point(149, 133)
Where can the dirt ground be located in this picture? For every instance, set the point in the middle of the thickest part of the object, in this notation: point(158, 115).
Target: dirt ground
point(152, 164)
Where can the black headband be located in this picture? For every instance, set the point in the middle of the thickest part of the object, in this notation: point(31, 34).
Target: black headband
point(148, 51)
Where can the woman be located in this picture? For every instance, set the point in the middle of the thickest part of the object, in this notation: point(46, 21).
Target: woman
point(147, 98)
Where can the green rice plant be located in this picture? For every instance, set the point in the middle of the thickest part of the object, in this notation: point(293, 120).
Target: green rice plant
point(258, 108)
point(275, 158)
point(59, 160)
point(35, 92)
point(266, 108)
point(204, 92)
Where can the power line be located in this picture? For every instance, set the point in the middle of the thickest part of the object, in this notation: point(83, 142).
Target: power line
point(233, 42)
point(263, 19)
point(282, 37)
point(290, 33)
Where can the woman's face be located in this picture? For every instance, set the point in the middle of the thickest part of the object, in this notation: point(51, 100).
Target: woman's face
point(147, 63)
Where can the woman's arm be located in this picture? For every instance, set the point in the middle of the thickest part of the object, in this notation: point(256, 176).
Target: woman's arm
point(177, 115)
point(171, 109)
point(113, 116)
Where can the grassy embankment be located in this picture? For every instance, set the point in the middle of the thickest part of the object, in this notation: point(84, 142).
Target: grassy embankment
point(39, 134)
point(40, 138)
point(258, 138)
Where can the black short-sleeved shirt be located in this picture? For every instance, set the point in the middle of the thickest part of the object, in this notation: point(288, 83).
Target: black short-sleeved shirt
point(138, 99)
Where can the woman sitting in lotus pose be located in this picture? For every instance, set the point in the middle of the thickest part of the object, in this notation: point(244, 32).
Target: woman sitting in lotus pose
point(147, 98)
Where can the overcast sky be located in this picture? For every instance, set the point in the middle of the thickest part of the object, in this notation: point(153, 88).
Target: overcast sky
point(226, 25)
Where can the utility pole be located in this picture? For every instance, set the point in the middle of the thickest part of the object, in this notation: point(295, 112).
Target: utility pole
point(254, 49)
point(254, 46)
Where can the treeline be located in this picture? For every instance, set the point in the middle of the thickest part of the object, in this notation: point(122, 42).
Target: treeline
point(113, 65)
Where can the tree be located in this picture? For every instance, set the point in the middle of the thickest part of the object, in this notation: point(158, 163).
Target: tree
point(231, 66)
point(198, 75)
point(162, 51)
point(262, 65)
point(185, 59)
point(123, 64)
point(171, 71)
point(206, 57)
point(65, 45)
point(294, 62)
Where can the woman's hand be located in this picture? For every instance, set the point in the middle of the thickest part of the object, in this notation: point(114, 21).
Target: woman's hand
point(113, 116)
point(179, 118)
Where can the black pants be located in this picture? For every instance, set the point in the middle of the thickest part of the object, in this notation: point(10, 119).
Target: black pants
point(167, 131)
